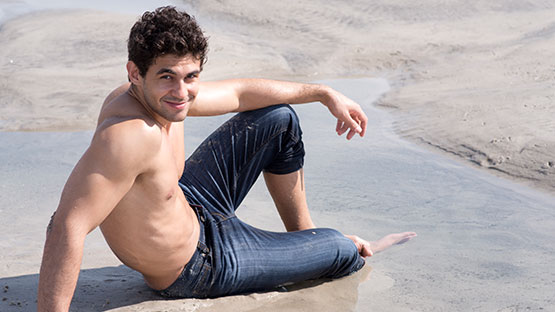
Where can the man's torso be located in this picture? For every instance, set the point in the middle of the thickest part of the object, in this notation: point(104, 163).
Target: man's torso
point(152, 229)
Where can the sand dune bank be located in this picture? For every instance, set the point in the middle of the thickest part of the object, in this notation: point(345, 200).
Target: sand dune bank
point(474, 80)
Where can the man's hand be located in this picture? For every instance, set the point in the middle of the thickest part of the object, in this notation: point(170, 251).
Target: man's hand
point(364, 247)
point(349, 114)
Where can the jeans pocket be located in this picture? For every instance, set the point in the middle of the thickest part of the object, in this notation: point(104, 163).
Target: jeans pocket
point(194, 281)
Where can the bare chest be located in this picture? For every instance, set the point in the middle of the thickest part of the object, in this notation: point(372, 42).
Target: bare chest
point(160, 182)
point(156, 190)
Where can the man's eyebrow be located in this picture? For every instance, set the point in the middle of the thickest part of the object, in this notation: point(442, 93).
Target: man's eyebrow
point(166, 71)
point(194, 72)
point(169, 71)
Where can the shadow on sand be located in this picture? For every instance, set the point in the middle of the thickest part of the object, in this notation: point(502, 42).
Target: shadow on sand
point(98, 289)
point(122, 289)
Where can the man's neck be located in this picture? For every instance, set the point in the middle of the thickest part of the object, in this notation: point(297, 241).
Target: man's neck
point(137, 93)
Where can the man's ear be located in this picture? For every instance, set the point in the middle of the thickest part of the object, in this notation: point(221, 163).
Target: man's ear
point(133, 72)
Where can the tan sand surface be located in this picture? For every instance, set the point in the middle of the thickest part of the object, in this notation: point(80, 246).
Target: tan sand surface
point(472, 79)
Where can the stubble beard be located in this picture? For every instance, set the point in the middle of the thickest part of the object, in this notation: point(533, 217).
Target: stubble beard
point(157, 106)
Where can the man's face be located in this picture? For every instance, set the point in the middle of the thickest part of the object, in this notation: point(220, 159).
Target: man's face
point(171, 85)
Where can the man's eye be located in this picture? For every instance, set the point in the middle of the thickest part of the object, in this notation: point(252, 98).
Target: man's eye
point(166, 77)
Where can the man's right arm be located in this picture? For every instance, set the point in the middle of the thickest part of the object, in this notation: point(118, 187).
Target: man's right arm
point(98, 182)
point(60, 267)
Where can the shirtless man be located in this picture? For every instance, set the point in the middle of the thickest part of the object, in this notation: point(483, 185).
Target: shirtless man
point(174, 220)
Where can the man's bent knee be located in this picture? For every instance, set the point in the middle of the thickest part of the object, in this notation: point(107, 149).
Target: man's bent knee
point(347, 259)
point(281, 116)
point(284, 123)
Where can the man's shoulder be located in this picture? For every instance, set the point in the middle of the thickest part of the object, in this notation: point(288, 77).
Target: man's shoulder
point(123, 120)
point(131, 132)
point(126, 140)
point(120, 106)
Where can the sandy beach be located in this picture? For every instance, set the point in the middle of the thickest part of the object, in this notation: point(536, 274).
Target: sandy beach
point(465, 95)
point(474, 81)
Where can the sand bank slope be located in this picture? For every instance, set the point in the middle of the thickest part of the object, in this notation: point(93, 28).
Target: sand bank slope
point(482, 88)
point(56, 68)
point(472, 79)
point(475, 80)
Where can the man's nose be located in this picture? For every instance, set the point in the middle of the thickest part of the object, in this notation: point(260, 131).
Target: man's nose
point(181, 90)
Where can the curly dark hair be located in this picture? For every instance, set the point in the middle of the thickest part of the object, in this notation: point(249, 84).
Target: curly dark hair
point(165, 31)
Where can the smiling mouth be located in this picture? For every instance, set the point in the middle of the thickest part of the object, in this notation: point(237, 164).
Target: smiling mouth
point(178, 103)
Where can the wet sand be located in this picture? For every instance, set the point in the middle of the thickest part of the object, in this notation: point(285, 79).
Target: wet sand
point(484, 243)
point(471, 81)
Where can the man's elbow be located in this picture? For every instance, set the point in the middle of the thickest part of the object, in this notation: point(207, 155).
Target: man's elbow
point(50, 224)
point(63, 229)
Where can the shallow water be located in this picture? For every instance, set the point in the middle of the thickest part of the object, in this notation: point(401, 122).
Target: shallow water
point(484, 243)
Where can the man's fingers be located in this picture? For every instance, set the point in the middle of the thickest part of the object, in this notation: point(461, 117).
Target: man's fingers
point(364, 247)
point(363, 127)
point(354, 128)
point(342, 128)
point(351, 134)
point(361, 120)
point(354, 125)
point(349, 124)
point(338, 126)
point(366, 251)
point(357, 125)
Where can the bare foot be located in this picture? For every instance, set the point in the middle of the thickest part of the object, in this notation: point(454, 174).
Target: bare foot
point(367, 249)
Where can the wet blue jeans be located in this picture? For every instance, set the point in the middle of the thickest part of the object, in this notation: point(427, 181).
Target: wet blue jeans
point(233, 257)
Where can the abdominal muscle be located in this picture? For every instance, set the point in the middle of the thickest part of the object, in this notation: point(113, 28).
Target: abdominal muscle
point(157, 242)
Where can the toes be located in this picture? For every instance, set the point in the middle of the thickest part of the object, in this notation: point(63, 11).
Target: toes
point(404, 237)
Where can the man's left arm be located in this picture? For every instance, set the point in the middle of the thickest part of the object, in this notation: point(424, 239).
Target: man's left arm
point(237, 95)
